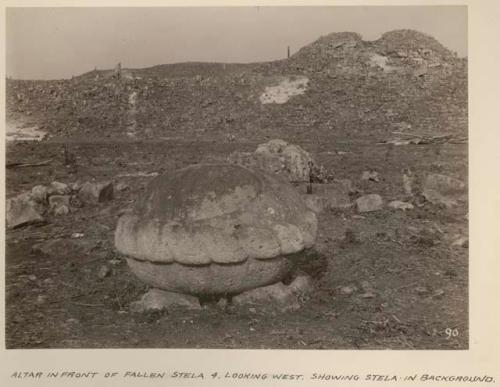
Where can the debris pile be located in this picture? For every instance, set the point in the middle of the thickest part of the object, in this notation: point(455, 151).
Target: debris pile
point(55, 199)
point(413, 80)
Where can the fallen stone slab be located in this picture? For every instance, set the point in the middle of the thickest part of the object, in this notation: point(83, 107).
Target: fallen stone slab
point(369, 203)
point(156, 299)
point(21, 211)
point(92, 193)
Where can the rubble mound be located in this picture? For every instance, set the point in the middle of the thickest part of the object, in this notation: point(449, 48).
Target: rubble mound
point(354, 87)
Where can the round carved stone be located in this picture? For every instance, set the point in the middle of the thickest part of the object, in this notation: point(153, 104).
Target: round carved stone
point(215, 228)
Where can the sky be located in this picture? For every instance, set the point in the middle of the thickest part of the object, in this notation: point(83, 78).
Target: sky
point(55, 43)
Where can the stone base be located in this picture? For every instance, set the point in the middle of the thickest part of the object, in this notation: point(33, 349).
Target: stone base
point(277, 297)
point(211, 279)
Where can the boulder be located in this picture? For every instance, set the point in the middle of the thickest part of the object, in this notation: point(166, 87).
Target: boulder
point(156, 299)
point(368, 203)
point(278, 296)
point(277, 157)
point(93, 193)
point(215, 228)
point(22, 210)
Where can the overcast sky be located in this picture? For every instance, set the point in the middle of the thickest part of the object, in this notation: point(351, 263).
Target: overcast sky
point(52, 43)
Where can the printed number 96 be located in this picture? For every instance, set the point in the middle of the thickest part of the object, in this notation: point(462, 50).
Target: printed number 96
point(451, 332)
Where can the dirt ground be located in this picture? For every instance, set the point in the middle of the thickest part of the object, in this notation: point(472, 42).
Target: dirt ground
point(418, 280)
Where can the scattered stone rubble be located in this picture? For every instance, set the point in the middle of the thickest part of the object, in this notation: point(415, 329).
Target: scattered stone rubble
point(55, 199)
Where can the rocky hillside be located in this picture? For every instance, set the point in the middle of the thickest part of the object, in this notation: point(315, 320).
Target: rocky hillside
point(339, 86)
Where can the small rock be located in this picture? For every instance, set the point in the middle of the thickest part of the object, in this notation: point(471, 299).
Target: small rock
point(77, 235)
point(32, 277)
point(368, 203)
point(370, 175)
point(408, 183)
point(461, 242)
point(347, 290)
point(96, 192)
point(399, 205)
point(368, 295)
point(39, 193)
point(439, 293)
point(75, 202)
point(75, 187)
point(156, 299)
point(104, 271)
point(122, 186)
point(72, 321)
point(115, 261)
point(41, 298)
point(57, 188)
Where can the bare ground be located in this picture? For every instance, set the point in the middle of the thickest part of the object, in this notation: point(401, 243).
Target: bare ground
point(419, 280)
